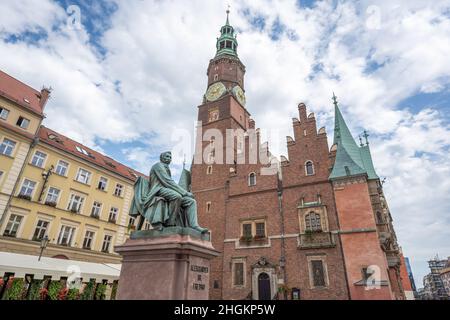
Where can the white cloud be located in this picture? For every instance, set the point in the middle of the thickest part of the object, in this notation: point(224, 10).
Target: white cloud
point(374, 55)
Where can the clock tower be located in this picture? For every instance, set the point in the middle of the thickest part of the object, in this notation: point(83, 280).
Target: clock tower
point(222, 109)
point(225, 71)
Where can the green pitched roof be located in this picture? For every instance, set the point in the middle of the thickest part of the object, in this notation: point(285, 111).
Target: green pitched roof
point(351, 159)
point(368, 163)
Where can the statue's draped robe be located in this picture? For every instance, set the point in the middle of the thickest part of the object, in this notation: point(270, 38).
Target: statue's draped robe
point(147, 203)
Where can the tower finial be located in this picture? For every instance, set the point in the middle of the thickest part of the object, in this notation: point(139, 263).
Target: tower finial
point(366, 135)
point(361, 144)
point(227, 43)
point(335, 100)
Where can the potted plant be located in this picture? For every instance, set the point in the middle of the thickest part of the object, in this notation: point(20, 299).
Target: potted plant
point(284, 290)
point(114, 290)
point(14, 289)
point(54, 289)
point(247, 238)
point(88, 291)
point(73, 294)
point(100, 292)
point(35, 290)
point(43, 293)
point(62, 295)
point(259, 237)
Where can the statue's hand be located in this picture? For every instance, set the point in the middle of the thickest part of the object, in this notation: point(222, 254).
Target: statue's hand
point(190, 195)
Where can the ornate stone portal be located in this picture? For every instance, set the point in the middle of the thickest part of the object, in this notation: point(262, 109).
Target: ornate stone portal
point(171, 261)
point(264, 280)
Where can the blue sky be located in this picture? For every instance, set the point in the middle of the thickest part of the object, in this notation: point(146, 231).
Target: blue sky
point(130, 65)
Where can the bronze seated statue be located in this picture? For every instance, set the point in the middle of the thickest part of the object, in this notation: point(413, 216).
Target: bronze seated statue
point(163, 202)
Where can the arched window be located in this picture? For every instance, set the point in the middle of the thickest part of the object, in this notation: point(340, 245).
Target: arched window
point(312, 222)
point(309, 168)
point(252, 179)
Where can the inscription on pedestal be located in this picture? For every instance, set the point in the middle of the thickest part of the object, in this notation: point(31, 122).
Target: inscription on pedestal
point(199, 275)
point(199, 271)
point(185, 262)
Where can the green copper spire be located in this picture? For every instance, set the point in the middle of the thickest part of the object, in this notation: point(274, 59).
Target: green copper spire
point(351, 159)
point(227, 43)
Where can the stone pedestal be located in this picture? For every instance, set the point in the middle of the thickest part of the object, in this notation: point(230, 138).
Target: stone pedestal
point(169, 265)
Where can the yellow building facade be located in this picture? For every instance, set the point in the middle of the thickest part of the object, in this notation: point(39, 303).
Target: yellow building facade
point(21, 114)
point(53, 186)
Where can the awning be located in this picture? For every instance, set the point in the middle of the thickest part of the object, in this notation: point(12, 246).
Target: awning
point(22, 265)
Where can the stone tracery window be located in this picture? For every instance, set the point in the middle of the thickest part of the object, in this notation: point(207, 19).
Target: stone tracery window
point(313, 222)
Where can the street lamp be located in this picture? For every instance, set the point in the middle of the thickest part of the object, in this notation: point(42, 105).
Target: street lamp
point(45, 175)
point(44, 243)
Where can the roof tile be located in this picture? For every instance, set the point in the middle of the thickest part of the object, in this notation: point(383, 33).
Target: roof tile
point(66, 144)
point(20, 93)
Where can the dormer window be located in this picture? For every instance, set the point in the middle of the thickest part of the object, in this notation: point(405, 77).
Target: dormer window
point(81, 150)
point(109, 163)
point(54, 137)
point(23, 123)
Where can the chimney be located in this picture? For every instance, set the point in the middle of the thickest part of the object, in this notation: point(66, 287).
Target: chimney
point(45, 95)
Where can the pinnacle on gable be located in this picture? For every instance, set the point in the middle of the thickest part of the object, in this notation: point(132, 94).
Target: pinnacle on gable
point(351, 159)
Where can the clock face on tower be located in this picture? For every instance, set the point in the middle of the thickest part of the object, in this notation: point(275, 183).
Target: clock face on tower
point(239, 94)
point(215, 91)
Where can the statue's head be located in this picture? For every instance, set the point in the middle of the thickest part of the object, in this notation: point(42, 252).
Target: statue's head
point(166, 157)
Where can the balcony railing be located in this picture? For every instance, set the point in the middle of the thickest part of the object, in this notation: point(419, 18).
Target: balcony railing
point(316, 240)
